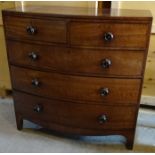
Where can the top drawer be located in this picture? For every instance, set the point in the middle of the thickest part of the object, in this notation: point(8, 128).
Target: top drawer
point(115, 35)
point(36, 29)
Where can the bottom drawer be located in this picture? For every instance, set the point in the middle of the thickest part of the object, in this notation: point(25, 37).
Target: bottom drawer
point(87, 116)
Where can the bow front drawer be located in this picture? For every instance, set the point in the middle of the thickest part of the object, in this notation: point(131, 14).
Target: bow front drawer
point(77, 61)
point(36, 29)
point(114, 35)
point(74, 115)
point(76, 88)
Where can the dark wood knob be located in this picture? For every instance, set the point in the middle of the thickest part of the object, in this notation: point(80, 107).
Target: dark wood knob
point(108, 36)
point(106, 63)
point(102, 119)
point(35, 82)
point(33, 56)
point(38, 108)
point(31, 30)
point(104, 91)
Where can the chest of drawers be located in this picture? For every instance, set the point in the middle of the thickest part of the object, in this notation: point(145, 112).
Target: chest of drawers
point(76, 70)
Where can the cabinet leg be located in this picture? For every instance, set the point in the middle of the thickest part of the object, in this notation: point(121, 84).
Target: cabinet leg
point(19, 122)
point(130, 140)
point(129, 145)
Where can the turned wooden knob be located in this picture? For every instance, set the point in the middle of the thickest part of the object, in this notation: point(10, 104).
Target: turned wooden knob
point(35, 82)
point(102, 119)
point(108, 36)
point(106, 63)
point(104, 91)
point(38, 108)
point(31, 30)
point(33, 56)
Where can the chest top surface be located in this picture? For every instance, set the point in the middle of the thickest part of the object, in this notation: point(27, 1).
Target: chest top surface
point(82, 12)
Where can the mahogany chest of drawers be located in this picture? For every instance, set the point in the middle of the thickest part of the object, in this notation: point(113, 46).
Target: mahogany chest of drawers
point(78, 70)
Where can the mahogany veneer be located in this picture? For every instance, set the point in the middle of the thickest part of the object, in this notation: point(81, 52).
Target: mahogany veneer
point(78, 70)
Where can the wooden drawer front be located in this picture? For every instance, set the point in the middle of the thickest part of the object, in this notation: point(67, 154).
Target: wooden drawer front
point(75, 115)
point(78, 61)
point(46, 30)
point(125, 35)
point(76, 88)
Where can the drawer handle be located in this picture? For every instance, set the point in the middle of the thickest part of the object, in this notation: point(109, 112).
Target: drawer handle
point(35, 83)
point(33, 55)
point(38, 108)
point(31, 30)
point(108, 36)
point(102, 119)
point(104, 91)
point(106, 63)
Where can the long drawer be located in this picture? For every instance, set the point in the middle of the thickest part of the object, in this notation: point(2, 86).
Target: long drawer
point(75, 115)
point(106, 34)
point(77, 61)
point(36, 29)
point(76, 88)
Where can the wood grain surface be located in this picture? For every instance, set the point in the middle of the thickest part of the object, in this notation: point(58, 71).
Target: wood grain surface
point(78, 88)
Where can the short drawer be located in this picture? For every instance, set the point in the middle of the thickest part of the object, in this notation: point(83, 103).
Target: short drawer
point(76, 88)
point(114, 35)
point(77, 61)
point(72, 114)
point(35, 29)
